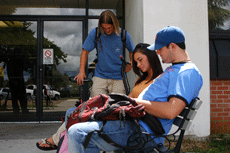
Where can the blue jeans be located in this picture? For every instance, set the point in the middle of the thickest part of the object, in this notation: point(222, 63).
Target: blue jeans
point(117, 130)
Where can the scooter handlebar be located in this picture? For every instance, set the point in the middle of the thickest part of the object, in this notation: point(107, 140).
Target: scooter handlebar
point(75, 81)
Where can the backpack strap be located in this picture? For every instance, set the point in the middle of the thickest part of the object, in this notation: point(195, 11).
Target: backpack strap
point(89, 135)
point(98, 39)
point(124, 63)
point(123, 39)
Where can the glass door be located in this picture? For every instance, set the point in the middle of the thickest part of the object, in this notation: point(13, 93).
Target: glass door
point(18, 60)
point(35, 71)
point(62, 46)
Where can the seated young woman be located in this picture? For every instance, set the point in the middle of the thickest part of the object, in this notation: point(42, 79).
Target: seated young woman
point(146, 65)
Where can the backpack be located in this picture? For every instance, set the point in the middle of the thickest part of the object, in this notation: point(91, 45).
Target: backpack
point(104, 107)
point(63, 143)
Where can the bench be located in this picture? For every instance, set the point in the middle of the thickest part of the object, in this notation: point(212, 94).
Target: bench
point(182, 123)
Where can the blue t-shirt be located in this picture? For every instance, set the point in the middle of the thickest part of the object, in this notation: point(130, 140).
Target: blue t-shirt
point(109, 63)
point(183, 81)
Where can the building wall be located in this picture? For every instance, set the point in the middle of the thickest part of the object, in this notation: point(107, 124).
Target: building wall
point(220, 106)
point(134, 25)
point(192, 18)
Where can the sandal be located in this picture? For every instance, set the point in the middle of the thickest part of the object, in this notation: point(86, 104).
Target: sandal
point(44, 141)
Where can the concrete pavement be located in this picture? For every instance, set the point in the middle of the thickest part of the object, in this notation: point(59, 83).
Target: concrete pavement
point(22, 137)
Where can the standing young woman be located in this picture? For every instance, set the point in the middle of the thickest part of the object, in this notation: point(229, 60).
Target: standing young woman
point(146, 65)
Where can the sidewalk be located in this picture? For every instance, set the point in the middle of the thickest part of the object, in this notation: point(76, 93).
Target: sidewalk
point(22, 137)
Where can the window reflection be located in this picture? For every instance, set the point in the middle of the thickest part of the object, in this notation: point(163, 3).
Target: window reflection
point(14, 10)
point(17, 59)
point(226, 25)
point(219, 14)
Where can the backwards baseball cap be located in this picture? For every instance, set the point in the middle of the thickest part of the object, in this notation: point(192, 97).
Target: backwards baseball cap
point(167, 36)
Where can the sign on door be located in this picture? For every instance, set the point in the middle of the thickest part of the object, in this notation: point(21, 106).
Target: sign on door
point(48, 56)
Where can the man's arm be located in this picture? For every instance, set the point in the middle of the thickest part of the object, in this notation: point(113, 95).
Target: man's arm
point(167, 110)
point(81, 75)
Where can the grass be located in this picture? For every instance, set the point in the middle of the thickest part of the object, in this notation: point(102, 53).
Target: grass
point(215, 144)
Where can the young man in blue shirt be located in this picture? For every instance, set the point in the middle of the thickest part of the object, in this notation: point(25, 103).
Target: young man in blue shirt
point(107, 77)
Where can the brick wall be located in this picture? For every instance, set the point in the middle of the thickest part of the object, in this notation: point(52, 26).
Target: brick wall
point(220, 106)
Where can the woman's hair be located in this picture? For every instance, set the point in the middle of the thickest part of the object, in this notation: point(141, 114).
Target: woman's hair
point(152, 59)
point(108, 17)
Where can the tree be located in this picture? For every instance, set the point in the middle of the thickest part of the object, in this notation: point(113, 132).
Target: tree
point(217, 15)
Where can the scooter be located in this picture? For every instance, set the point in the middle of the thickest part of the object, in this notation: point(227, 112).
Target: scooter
point(81, 89)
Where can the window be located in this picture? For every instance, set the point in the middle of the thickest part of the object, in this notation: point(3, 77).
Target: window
point(219, 48)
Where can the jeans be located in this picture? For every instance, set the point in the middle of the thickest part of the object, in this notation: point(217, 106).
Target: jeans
point(118, 131)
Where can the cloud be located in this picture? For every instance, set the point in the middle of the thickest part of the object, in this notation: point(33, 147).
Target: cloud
point(72, 64)
point(49, 11)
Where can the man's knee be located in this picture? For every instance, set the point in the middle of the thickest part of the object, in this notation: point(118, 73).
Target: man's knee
point(74, 133)
point(118, 87)
point(99, 87)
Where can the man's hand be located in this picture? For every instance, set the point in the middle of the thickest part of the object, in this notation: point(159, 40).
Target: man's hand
point(137, 111)
point(128, 67)
point(128, 64)
point(80, 78)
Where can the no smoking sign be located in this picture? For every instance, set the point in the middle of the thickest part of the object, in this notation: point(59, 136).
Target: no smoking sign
point(48, 56)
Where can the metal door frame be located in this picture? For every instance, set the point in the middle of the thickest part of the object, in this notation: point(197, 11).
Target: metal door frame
point(40, 19)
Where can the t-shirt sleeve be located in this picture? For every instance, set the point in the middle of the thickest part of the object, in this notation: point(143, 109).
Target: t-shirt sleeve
point(186, 86)
point(89, 43)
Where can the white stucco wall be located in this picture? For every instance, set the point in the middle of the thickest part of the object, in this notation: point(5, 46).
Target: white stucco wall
point(134, 25)
point(144, 18)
